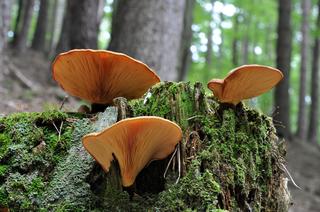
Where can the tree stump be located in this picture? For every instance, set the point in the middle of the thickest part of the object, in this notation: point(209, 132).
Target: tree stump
point(229, 159)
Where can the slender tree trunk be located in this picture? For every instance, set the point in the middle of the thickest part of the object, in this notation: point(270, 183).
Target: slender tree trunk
point(21, 38)
point(282, 100)
point(80, 25)
point(245, 41)
point(52, 25)
point(235, 42)
point(39, 38)
point(185, 52)
point(269, 44)
point(209, 53)
point(302, 121)
point(220, 56)
point(151, 31)
point(245, 49)
point(208, 56)
point(5, 9)
point(17, 21)
point(5, 17)
point(315, 77)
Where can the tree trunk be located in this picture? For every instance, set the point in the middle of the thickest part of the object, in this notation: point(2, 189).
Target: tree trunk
point(185, 58)
point(18, 20)
point(229, 158)
point(221, 51)
point(151, 31)
point(302, 117)
point(209, 53)
point(80, 26)
point(269, 45)
point(21, 37)
point(315, 77)
point(208, 56)
point(5, 15)
point(282, 100)
point(245, 41)
point(64, 43)
point(53, 11)
point(235, 42)
point(39, 38)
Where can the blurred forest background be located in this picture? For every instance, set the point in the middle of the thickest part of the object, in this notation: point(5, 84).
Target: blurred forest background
point(193, 40)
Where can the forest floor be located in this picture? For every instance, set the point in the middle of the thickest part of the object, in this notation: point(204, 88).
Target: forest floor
point(28, 86)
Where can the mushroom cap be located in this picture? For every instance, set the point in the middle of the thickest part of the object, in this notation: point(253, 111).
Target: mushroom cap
point(98, 76)
point(134, 142)
point(245, 82)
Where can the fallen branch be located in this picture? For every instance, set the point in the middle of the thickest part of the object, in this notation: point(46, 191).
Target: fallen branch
point(22, 78)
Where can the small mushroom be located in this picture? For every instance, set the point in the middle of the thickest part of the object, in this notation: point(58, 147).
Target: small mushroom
point(245, 82)
point(99, 76)
point(134, 142)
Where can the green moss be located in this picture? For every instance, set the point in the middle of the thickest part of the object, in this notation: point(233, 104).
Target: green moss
point(3, 197)
point(30, 148)
point(5, 141)
point(3, 170)
point(50, 116)
point(22, 189)
point(195, 191)
point(172, 101)
point(247, 154)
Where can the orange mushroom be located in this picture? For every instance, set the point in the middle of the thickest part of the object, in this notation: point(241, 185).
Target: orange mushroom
point(245, 82)
point(98, 76)
point(134, 142)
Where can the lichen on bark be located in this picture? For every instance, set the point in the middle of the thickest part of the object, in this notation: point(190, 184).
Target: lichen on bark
point(229, 157)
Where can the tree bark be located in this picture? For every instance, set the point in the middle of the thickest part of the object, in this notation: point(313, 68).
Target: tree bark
point(39, 38)
point(80, 26)
point(151, 31)
point(209, 53)
point(64, 43)
point(235, 42)
point(282, 100)
point(315, 77)
point(245, 41)
point(53, 11)
point(21, 37)
point(304, 61)
point(18, 20)
point(5, 16)
point(221, 51)
point(186, 40)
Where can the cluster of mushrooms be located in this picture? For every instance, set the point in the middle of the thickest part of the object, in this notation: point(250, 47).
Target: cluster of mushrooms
point(99, 76)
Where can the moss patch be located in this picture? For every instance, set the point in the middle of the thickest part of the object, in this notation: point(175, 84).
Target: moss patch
point(30, 148)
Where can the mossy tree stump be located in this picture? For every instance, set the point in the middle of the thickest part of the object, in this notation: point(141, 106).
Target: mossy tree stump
point(229, 159)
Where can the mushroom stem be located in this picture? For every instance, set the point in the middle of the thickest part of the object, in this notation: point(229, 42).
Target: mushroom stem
point(122, 104)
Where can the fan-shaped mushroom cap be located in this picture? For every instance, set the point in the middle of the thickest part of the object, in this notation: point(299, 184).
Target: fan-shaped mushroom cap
point(245, 82)
point(98, 76)
point(134, 142)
